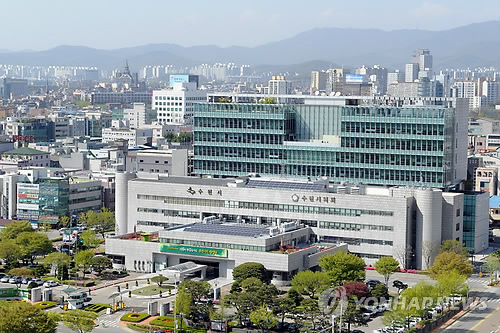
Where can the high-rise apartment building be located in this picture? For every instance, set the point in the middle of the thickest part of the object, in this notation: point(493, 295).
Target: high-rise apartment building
point(278, 85)
point(335, 80)
point(318, 81)
point(411, 72)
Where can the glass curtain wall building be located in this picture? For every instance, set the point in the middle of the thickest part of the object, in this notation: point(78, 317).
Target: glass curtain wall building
point(383, 145)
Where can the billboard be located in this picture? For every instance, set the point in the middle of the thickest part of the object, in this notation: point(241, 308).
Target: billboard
point(355, 78)
point(193, 250)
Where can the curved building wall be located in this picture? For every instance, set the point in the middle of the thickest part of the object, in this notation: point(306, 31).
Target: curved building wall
point(429, 222)
point(121, 201)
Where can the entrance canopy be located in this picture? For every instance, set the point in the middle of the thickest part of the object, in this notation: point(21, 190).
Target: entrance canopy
point(178, 272)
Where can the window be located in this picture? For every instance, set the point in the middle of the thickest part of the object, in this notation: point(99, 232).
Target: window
point(457, 227)
point(157, 161)
point(458, 213)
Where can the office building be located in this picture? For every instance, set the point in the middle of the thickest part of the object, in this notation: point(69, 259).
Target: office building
point(335, 81)
point(491, 91)
point(24, 157)
point(371, 144)
point(14, 88)
point(127, 97)
point(172, 162)
point(134, 137)
point(137, 116)
point(175, 106)
point(373, 221)
point(486, 180)
point(423, 58)
point(476, 221)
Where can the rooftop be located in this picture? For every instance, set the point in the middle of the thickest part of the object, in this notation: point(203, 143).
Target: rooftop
point(228, 229)
point(25, 151)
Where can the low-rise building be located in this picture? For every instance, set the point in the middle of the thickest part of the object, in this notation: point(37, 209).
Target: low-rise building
point(24, 157)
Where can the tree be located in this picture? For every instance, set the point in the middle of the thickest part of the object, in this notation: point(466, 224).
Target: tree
point(79, 321)
point(295, 296)
point(159, 279)
point(429, 248)
point(24, 272)
point(358, 289)
point(343, 267)
point(386, 266)
point(33, 244)
point(451, 284)
point(380, 291)
point(83, 259)
point(310, 310)
point(100, 263)
point(250, 269)
point(169, 136)
point(90, 239)
point(65, 221)
point(100, 222)
point(352, 315)
point(403, 254)
point(399, 285)
point(191, 301)
point(243, 302)
point(12, 230)
point(454, 246)
point(10, 252)
point(263, 319)
point(57, 258)
point(22, 317)
point(310, 283)
point(281, 306)
point(446, 262)
point(492, 265)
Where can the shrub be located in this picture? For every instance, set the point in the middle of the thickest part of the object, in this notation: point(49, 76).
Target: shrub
point(165, 321)
point(45, 305)
point(134, 317)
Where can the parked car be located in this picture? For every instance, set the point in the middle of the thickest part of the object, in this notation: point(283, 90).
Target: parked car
point(5, 279)
point(372, 283)
point(26, 280)
point(38, 282)
point(50, 284)
point(16, 279)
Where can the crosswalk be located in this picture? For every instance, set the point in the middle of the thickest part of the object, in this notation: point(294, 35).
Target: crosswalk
point(493, 300)
point(109, 321)
point(484, 281)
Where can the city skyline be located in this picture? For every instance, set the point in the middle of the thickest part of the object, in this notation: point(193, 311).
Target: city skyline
point(126, 24)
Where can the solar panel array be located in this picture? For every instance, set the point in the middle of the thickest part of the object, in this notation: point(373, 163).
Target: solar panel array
point(224, 229)
point(286, 185)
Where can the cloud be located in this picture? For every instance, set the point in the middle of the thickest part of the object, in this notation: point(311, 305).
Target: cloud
point(431, 9)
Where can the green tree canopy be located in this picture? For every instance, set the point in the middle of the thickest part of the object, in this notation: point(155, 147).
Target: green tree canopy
point(263, 319)
point(12, 230)
point(10, 251)
point(57, 258)
point(22, 317)
point(83, 259)
point(386, 266)
point(33, 244)
point(65, 221)
point(100, 263)
point(451, 284)
point(446, 262)
point(455, 246)
point(195, 292)
point(250, 269)
point(24, 272)
point(90, 239)
point(79, 321)
point(281, 306)
point(100, 222)
point(343, 267)
point(159, 279)
point(311, 283)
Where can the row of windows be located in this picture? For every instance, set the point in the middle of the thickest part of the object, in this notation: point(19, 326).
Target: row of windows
point(169, 103)
point(217, 245)
point(354, 241)
point(263, 206)
point(171, 213)
point(86, 199)
point(352, 226)
point(272, 124)
point(169, 98)
point(392, 128)
point(157, 224)
point(392, 144)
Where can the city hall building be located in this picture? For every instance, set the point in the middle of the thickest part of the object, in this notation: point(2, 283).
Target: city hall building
point(277, 214)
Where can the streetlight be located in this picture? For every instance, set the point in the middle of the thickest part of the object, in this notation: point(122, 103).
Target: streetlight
point(175, 307)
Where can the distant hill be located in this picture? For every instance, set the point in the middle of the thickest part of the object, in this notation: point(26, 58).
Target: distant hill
point(467, 46)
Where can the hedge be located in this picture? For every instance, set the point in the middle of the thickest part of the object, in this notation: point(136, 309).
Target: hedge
point(98, 307)
point(146, 328)
point(166, 321)
point(45, 305)
point(84, 283)
point(134, 317)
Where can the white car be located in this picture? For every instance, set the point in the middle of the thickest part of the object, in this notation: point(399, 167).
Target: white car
point(50, 284)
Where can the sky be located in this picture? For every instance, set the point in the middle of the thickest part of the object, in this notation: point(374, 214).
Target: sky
point(109, 24)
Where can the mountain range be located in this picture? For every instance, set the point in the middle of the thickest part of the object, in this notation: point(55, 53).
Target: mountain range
point(472, 45)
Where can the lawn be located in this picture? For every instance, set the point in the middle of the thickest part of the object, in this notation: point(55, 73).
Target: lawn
point(152, 290)
point(45, 305)
point(134, 317)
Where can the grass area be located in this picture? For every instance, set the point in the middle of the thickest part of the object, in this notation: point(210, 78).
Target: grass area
point(134, 317)
point(152, 290)
point(96, 308)
point(147, 328)
point(45, 305)
point(166, 321)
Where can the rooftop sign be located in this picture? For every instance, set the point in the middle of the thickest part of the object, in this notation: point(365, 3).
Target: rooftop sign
point(194, 250)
